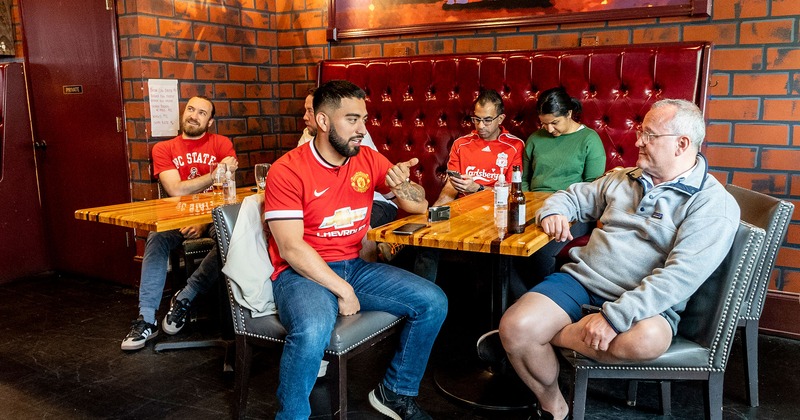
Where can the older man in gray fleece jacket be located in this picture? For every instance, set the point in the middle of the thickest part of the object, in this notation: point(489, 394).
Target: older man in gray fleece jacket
point(665, 226)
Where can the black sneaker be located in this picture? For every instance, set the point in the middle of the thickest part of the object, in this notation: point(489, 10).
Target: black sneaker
point(397, 407)
point(176, 317)
point(141, 331)
point(491, 351)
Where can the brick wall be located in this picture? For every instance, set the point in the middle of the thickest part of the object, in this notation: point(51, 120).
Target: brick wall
point(754, 105)
point(224, 49)
point(15, 20)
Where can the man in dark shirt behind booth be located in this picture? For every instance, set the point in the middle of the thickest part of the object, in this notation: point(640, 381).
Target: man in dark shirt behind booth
point(317, 204)
point(182, 167)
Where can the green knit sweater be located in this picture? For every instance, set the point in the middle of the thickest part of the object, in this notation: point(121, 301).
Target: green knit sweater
point(554, 163)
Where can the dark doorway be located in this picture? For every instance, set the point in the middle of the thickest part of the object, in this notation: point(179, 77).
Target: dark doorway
point(73, 71)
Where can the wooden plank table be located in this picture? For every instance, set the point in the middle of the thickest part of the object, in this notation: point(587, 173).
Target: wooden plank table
point(162, 214)
point(471, 228)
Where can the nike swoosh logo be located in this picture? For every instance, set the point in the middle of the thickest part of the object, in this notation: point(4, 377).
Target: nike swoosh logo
point(319, 193)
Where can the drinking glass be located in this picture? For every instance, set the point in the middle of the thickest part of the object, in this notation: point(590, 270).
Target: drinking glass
point(261, 170)
point(218, 178)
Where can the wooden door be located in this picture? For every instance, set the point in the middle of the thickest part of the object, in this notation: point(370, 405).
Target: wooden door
point(22, 241)
point(73, 61)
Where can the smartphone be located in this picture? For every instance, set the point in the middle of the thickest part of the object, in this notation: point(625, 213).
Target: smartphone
point(453, 174)
point(409, 228)
point(587, 309)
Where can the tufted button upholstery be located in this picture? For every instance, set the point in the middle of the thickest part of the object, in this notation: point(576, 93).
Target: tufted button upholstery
point(419, 105)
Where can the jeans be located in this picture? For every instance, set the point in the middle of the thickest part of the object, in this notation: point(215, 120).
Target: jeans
point(154, 270)
point(309, 311)
point(382, 213)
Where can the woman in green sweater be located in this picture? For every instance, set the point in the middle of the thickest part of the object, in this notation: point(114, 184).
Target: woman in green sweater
point(556, 156)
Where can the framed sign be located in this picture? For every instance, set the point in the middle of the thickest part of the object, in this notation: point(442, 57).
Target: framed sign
point(363, 18)
point(6, 29)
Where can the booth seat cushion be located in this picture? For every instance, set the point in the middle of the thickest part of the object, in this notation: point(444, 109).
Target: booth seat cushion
point(418, 105)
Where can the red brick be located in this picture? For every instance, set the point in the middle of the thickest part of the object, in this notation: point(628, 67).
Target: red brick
point(258, 125)
point(210, 71)
point(177, 70)
point(789, 257)
point(292, 73)
point(721, 34)
point(719, 85)
point(780, 159)
point(150, 47)
point(226, 53)
point(285, 57)
point(657, 34)
point(243, 73)
point(731, 157)
point(342, 51)
point(721, 176)
point(782, 109)
point(224, 15)
point(783, 58)
point(511, 43)
point(785, 8)
point(308, 55)
point(557, 40)
point(241, 36)
point(231, 126)
point(229, 90)
point(256, 55)
point(767, 183)
point(140, 68)
point(317, 37)
point(223, 108)
point(286, 91)
point(364, 50)
point(154, 7)
point(195, 51)
point(255, 19)
point(169, 28)
point(737, 59)
point(269, 107)
point(306, 20)
point(619, 37)
point(208, 32)
point(134, 110)
point(796, 188)
point(769, 134)
point(767, 32)
point(244, 108)
point(760, 84)
point(465, 45)
point(736, 9)
point(189, 90)
point(138, 87)
point(793, 235)
point(285, 5)
point(399, 49)
point(718, 133)
point(439, 46)
point(267, 39)
point(139, 151)
point(291, 39)
point(732, 109)
point(796, 135)
point(191, 10)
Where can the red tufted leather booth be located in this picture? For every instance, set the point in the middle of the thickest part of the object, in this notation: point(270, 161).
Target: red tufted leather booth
point(419, 105)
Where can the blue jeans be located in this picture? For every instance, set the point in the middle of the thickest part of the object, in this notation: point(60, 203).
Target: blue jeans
point(154, 270)
point(309, 310)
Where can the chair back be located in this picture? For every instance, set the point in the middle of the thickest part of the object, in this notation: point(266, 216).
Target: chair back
point(711, 315)
point(772, 215)
point(224, 220)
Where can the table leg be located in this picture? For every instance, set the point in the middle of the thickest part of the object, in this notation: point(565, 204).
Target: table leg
point(467, 379)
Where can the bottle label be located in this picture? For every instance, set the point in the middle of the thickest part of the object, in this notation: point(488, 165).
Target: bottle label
point(521, 215)
point(516, 176)
point(501, 195)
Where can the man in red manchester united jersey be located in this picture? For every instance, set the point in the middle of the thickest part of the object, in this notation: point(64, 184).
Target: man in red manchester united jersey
point(317, 206)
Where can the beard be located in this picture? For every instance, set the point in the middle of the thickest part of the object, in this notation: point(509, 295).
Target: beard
point(191, 130)
point(341, 145)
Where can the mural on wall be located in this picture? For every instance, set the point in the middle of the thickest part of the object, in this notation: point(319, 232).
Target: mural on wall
point(6, 28)
point(361, 18)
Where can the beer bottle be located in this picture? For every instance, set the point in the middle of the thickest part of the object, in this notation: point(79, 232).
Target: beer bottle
point(516, 203)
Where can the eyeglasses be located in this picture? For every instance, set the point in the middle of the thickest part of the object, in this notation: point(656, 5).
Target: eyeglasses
point(485, 121)
point(646, 137)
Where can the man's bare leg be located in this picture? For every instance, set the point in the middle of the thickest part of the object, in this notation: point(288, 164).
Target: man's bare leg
point(526, 329)
point(646, 340)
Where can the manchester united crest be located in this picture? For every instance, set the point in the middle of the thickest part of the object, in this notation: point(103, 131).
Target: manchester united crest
point(360, 182)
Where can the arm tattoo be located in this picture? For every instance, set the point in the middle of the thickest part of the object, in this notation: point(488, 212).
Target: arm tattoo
point(410, 192)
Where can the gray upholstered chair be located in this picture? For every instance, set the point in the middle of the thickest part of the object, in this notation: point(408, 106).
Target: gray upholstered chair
point(705, 334)
point(773, 215)
point(351, 335)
